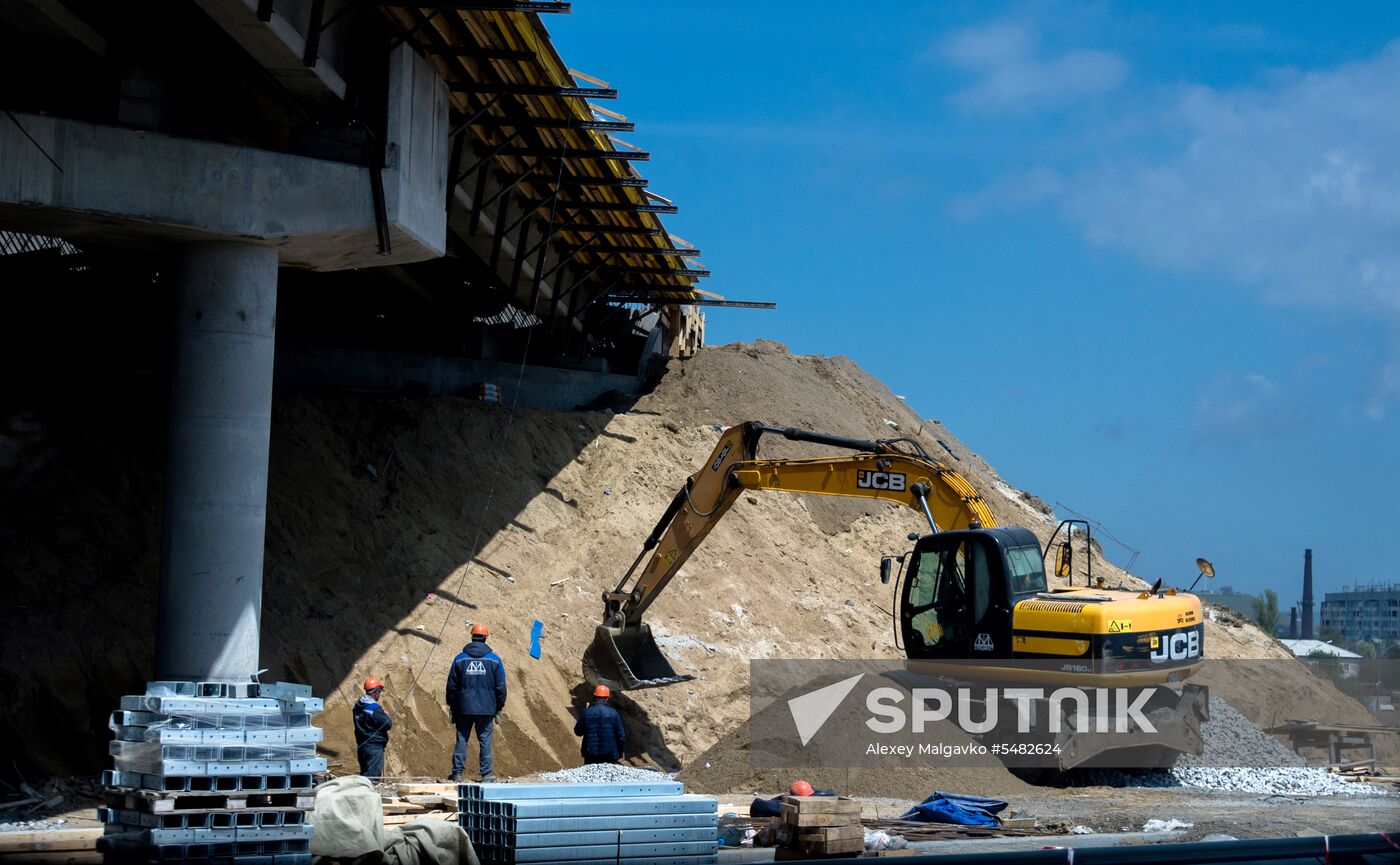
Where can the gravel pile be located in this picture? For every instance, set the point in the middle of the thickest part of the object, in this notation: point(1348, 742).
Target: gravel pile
point(1277, 781)
point(1239, 757)
point(1287, 781)
point(604, 773)
point(1233, 740)
point(34, 825)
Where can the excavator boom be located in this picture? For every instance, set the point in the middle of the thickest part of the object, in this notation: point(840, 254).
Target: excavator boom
point(625, 655)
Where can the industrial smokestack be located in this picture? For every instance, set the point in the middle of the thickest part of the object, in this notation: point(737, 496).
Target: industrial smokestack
point(1293, 623)
point(1307, 595)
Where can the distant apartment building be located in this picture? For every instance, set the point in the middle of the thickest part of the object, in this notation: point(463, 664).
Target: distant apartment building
point(1362, 613)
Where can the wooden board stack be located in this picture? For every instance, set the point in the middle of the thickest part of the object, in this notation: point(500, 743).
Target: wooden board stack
point(813, 827)
point(415, 800)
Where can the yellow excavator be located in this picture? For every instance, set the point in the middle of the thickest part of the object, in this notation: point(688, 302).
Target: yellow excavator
point(973, 600)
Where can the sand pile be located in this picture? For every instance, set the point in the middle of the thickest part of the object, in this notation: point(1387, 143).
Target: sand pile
point(372, 571)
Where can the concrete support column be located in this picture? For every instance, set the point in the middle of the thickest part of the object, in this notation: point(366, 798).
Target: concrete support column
point(216, 475)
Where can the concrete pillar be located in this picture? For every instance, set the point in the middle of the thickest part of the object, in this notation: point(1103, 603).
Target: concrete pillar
point(216, 477)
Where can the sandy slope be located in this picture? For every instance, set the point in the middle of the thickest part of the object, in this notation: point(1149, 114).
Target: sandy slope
point(375, 574)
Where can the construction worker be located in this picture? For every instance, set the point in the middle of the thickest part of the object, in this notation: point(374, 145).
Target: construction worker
point(372, 725)
point(600, 725)
point(476, 694)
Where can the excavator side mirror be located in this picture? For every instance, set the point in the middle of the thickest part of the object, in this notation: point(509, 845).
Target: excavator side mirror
point(886, 569)
point(1064, 560)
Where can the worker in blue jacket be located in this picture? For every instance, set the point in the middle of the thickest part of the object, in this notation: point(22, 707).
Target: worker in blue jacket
point(372, 726)
point(600, 725)
point(476, 694)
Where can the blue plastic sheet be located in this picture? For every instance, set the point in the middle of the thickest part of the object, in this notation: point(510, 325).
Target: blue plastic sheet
point(957, 808)
point(536, 630)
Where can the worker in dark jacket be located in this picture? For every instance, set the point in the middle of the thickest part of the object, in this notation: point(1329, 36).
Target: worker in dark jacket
point(372, 725)
point(600, 725)
point(476, 694)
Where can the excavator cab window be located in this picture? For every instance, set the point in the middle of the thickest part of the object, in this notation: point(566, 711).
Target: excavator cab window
point(946, 595)
point(962, 585)
point(1026, 571)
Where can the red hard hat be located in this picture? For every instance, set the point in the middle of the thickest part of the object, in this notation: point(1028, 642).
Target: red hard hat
point(800, 788)
point(602, 691)
point(372, 683)
point(480, 630)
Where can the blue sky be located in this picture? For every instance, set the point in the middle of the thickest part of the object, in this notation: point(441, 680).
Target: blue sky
point(1144, 258)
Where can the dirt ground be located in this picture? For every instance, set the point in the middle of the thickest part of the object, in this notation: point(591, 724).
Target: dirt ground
point(471, 515)
point(1113, 809)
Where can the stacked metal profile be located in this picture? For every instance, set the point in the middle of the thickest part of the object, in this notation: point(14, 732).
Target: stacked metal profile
point(636, 824)
point(212, 772)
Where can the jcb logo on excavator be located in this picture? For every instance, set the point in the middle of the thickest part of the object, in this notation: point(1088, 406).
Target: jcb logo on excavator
point(1181, 646)
point(880, 481)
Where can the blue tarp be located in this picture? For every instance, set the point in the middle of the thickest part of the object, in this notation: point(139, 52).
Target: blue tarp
point(956, 808)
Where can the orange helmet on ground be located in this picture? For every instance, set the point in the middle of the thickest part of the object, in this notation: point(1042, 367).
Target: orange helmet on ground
point(372, 683)
point(602, 691)
point(480, 630)
point(800, 788)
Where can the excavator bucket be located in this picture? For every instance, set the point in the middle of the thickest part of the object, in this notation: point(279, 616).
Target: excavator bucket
point(627, 659)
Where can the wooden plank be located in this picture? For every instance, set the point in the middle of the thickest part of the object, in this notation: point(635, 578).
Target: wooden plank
point(58, 839)
point(828, 848)
point(433, 800)
point(400, 819)
point(793, 817)
point(824, 804)
point(426, 789)
point(77, 857)
point(829, 833)
point(1018, 823)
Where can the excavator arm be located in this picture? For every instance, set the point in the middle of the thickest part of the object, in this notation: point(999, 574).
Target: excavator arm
point(625, 655)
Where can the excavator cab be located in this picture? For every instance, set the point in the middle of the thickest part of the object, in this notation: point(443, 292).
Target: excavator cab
point(960, 588)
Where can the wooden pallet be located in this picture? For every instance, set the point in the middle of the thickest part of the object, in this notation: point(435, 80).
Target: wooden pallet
point(154, 802)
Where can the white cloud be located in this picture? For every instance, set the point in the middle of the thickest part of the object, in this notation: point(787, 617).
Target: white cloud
point(1293, 189)
point(1011, 76)
point(1386, 389)
point(1039, 184)
point(1290, 188)
point(1246, 409)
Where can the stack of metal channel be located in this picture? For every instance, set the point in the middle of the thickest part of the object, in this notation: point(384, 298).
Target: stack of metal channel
point(635, 824)
point(212, 771)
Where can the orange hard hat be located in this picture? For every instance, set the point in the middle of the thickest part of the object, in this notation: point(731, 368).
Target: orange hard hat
point(602, 691)
point(480, 630)
point(372, 683)
point(800, 788)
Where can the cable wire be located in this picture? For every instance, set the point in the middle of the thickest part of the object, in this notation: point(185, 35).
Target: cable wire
point(500, 453)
